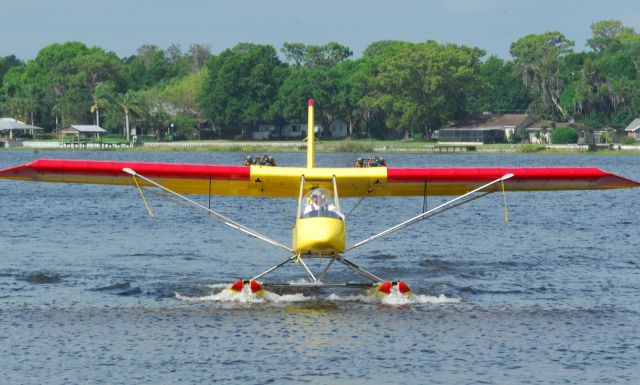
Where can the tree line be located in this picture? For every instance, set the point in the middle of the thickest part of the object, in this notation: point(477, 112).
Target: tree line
point(395, 88)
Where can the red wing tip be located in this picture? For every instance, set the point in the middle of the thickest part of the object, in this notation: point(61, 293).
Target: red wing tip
point(621, 182)
point(16, 171)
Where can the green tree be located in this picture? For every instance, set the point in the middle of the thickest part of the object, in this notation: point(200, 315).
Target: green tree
point(64, 78)
point(241, 85)
point(153, 118)
point(176, 62)
point(602, 85)
point(607, 33)
point(303, 83)
point(500, 90)
point(346, 100)
point(368, 119)
point(329, 54)
point(384, 48)
point(423, 85)
point(21, 94)
point(128, 102)
point(294, 52)
point(198, 56)
point(149, 66)
point(564, 135)
point(6, 63)
point(181, 96)
point(135, 73)
point(538, 60)
point(157, 69)
point(102, 98)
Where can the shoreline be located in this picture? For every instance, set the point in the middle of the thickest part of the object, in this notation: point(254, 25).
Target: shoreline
point(348, 146)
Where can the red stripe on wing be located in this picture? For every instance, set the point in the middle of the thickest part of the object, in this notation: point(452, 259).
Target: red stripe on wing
point(599, 178)
point(107, 168)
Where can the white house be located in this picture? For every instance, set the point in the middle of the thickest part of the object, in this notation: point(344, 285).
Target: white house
point(540, 132)
point(633, 129)
point(298, 130)
point(339, 129)
point(265, 131)
point(294, 130)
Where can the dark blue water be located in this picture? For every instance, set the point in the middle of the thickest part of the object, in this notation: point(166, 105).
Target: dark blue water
point(92, 290)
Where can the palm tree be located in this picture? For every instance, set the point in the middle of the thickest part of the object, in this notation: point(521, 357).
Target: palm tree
point(30, 100)
point(130, 103)
point(102, 96)
point(56, 111)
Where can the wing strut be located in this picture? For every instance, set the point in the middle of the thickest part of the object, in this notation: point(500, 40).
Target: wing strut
point(144, 200)
point(437, 210)
point(219, 217)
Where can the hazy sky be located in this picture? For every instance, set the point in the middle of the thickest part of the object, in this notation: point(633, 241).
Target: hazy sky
point(121, 26)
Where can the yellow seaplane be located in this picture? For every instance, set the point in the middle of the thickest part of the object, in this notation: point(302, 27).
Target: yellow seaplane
point(319, 230)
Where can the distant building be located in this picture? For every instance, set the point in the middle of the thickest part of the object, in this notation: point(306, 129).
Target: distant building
point(606, 134)
point(476, 135)
point(266, 131)
point(486, 128)
point(540, 132)
point(10, 125)
point(82, 130)
point(294, 130)
point(337, 129)
point(633, 129)
point(586, 134)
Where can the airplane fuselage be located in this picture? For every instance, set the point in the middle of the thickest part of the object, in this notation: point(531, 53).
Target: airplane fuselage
point(319, 236)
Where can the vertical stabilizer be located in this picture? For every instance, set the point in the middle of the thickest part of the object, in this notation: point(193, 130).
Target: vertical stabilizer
point(311, 156)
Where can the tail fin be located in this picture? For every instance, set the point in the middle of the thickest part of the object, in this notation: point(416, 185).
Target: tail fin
point(311, 155)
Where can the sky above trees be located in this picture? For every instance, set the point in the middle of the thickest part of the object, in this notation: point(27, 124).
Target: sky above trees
point(123, 26)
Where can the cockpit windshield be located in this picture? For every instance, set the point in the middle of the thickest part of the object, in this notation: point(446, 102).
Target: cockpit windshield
point(319, 202)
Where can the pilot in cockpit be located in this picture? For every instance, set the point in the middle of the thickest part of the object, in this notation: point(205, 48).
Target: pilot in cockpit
point(318, 206)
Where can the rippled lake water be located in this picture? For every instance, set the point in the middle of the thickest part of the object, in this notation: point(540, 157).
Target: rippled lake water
point(92, 290)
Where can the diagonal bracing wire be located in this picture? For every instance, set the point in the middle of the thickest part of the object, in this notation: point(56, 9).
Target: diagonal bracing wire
point(219, 217)
point(437, 210)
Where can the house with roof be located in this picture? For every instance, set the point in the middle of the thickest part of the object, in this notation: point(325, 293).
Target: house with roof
point(485, 128)
point(80, 130)
point(606, 134)
point(10, 125)
point(266, 131)
point(295, 130)
point(290, 131)
point(337, 129)
point(540, 132)
point(633, 129)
